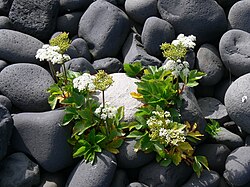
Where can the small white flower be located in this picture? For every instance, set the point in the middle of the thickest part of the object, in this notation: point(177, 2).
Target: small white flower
point(107, 112)
point(85, 81)
point(186, 64)
point(185, 72)
point(187, 41)
point(244, 99)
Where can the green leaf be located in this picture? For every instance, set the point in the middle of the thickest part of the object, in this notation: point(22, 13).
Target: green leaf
point(159, 148)
point(197, 167)
point(52, 100)
point(67, 118)
point(99, 138)
point(194, 75)
point(80, 152)
point(165, 162)
point(132, 70)
point(203, 161)
point(176, 158)
point(135, 134)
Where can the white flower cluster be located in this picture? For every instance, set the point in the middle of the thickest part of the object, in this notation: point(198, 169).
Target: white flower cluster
point(172, 136)
point(159, 125)
point(51, 54)
point(186, 41)
point(107, 112)
point(177, 67)
point(83, 82)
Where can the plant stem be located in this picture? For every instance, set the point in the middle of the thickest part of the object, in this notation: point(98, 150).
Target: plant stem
point(53, 73)
point(103, 106)
point(65, 73)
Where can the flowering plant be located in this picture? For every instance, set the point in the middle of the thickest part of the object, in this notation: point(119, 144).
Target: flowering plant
point(158, 126)
point(95, 126)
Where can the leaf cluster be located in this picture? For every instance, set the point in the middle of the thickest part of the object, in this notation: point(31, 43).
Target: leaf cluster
point(213, 128)
point(62, 41)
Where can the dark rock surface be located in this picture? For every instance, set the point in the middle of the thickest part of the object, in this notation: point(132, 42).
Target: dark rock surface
point(216, 155)
point(82, 49)
point(204, 19)
point(234, 51)
point(57, 179)
point(155, 32)
point(207, 179)
point(3, 64)
point(6, 126)
point(98, 175)
point(5, 7)
point(5, 23)
point(120, 179)
point(25, 85)
point(209, 62)
point(109, 65)
point(237, 167)
point(80, 65)
point(18, 47)
point(50, 148)
point(213, 109)
point(6, 102)
point(231, 140)
point(69, 23)
point(133, 51)
point(238, 16)
point(36, 18)
point(71, 6)
point(17, 170)
point(104, 40)
point(237, 102)
point(140, 10)
point(171, 176)
point(128, 158)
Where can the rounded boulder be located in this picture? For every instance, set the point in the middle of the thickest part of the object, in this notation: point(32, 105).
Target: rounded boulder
point(237, 102)
point(204, 19)
point(234, 50)
point(26, 86)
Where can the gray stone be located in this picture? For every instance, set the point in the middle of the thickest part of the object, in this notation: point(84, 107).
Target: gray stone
point(207, 179)
point(239, 16)
point(226, 3)
point(237, 102)
point(109, 65)
point(133, 51)
point(191, 112)
point(247, 141)
point(17, 170)
point(6, 102)
point(25, 85)
point(213, 109)
point(57, 179)
point(237, 167)
point(37, 18)
point(71, 6)
point(5, 7)
point(140, 10)
point(80, 65)
point(104, 40)
point(204, 91)
point(69, 23)
point(191, 58)
point(18, 47)
point(3, 64)
point(120, 179)
point(232, 127)
point(204, 19)
point(209, 62)
point(234, 50)
point(171, 176)
point(98, 175)
point(111, 1)
point(216, 155)
point(41, 136)
point(6, 126)
point(221, 89)
point(136, 184)
point(118, 94)
point(82, 49)
point(231, 140)
point(155, 32)
point(5, 23)
point(128, 158)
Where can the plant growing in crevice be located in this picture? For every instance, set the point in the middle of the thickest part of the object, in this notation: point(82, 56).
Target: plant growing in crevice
point(158, 126)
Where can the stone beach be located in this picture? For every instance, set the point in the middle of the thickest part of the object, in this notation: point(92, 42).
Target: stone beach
point(106, 34)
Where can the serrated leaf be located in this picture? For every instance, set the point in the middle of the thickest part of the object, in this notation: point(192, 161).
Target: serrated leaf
point(132, 70)
point(176, 158)
point(135, 134)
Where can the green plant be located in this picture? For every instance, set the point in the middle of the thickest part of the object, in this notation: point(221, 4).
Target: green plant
point(95, 126)
point(213, 128)
point(158, 126)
